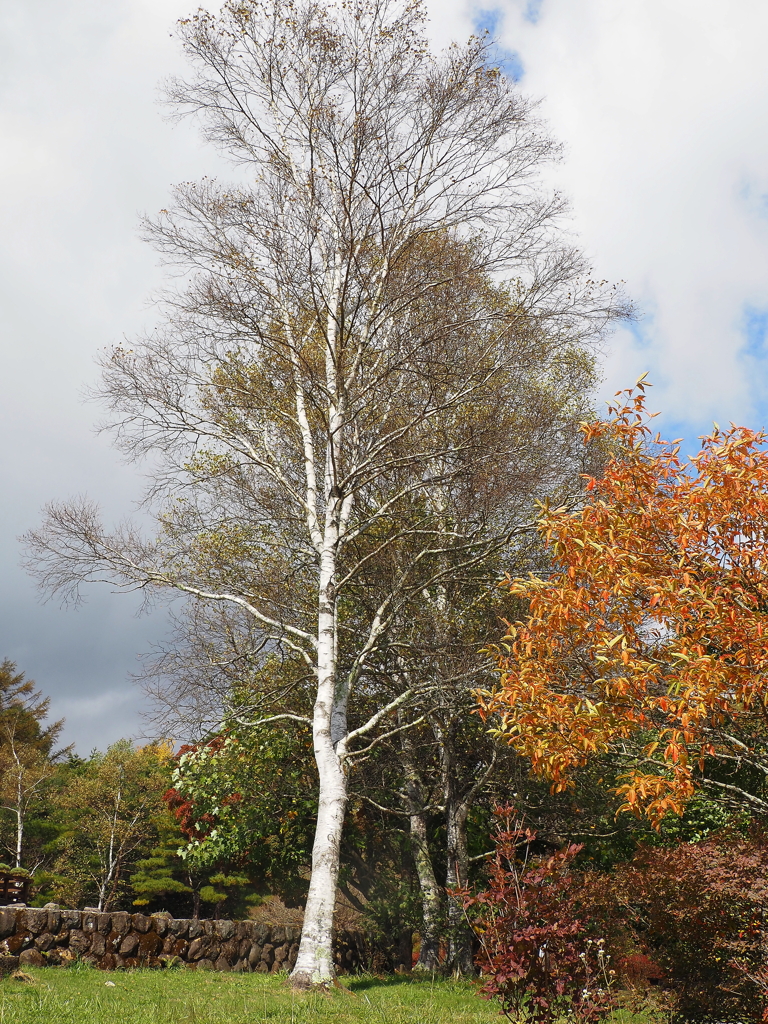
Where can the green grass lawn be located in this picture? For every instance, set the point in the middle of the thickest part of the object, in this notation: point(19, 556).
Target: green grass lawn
point(80, 995)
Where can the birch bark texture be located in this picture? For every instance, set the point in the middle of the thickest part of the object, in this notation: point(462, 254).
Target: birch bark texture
point(348, 335)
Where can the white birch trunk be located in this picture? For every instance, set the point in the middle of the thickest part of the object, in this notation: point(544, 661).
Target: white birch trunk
point(314, 963)
point(19, 805)
point(19, 833)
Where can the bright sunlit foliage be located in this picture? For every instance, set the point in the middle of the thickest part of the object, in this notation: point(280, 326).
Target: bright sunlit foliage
point(654, 618)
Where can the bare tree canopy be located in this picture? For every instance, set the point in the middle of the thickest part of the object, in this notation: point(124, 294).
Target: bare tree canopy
point(367, 339)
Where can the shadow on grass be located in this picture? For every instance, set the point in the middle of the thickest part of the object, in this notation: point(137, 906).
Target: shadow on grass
point(362, 982)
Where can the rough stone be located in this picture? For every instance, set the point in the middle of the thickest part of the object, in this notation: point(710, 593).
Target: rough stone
point(79, 942)
point(225, 929)
point(31, 958)
point(54, 920)
point(20, 940)
point(70, 919)
point(8, 964)
point(44, 941)
point(34, 919)
point(281, 953)
point(161, 923)
point(99, 944)
point(278, 936)
point(195, 928)
point(179, 927)
point(180, 948)
point(121, 923)
point(129, 945)
point(222, 964)
point(150, 945)
point(141, 923)
point(254, 955)
point(97, 923)
point(231, 950)
point(196, 949)
point(204, 965)
point(7, 922)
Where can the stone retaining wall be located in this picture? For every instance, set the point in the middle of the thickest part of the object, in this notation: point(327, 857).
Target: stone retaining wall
point(49, 936)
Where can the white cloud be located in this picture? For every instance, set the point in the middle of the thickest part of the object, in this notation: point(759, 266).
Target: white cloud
point(662, 108)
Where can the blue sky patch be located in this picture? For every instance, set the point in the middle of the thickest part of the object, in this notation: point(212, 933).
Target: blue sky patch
point(754, 356)
point(490, 21)
point(755, 330)
point(753, 198)
point(640, 331)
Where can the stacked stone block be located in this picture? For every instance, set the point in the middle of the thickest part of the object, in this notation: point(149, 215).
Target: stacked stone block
point(50, 936)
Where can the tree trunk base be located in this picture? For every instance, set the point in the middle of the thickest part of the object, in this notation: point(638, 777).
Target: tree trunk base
point(429, 967)
point(303, 981)
point(429, 959)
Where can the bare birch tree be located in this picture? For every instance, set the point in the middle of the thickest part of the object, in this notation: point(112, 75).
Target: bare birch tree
point(117, 797)
point(24, 772)
point(341, 321)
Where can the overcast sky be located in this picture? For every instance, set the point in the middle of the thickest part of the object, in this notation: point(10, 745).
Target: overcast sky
point(662, 106)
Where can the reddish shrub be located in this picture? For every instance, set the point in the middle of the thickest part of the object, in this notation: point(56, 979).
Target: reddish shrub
point(640, 970)
point(536, 953)
point(697, 911)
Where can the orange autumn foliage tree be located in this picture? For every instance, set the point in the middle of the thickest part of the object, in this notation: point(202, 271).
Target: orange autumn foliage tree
point(654, 619)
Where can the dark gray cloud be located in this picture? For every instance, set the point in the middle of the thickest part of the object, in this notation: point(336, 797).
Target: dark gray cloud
point(84, 151)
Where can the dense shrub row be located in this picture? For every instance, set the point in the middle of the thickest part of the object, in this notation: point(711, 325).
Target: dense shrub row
point(554, 938)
